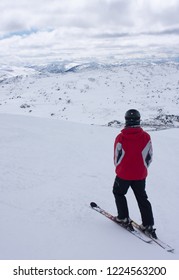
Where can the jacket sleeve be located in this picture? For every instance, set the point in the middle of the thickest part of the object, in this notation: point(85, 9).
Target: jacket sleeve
point(118, 151)
point(147, 154)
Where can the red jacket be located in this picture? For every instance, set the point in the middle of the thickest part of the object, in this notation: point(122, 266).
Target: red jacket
point(132, 153)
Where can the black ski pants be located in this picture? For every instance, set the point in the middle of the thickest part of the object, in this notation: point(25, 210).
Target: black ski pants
point(120, 189)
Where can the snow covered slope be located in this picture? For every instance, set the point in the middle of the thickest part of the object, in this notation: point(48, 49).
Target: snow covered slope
point(51, 170)
point(93, 93)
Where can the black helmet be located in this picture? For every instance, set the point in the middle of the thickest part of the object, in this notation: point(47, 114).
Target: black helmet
point(132, 117)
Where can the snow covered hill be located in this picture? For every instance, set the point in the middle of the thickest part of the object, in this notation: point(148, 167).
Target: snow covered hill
point(51, 170)
point(92, 92)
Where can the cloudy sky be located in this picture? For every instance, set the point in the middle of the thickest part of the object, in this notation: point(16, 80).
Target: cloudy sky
point(38, 30)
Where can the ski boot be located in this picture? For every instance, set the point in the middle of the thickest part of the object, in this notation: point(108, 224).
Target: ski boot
point(149, 230)
point(126, 222)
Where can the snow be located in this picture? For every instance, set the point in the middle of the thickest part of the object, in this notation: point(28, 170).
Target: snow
point(95, 95)
point(52, 167)
point(51, 170)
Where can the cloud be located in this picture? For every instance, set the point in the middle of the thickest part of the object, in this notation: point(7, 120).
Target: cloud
point(82, 27)
point(172, 31)
point(121, 15)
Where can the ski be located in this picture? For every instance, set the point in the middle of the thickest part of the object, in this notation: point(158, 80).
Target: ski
point(135, 232)
point(162, 244)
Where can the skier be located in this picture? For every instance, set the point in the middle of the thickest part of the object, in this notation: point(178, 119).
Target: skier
point(132, 157)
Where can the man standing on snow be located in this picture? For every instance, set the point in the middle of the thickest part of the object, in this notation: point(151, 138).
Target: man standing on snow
point(132, 157)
